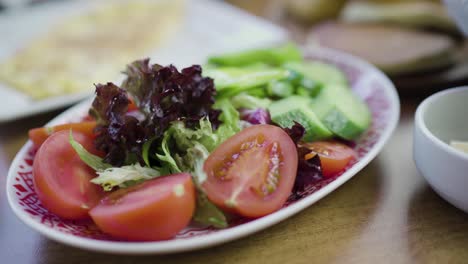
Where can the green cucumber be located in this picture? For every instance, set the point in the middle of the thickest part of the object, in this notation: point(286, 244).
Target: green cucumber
point(295, 108)
point(319, 72)
point(230, 81)
point(341, 111)
point(272, 56)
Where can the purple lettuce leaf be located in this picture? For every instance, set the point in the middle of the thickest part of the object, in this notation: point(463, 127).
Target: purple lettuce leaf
point(296, 132)
point(255, 116)
point(308, 171)
point(162, 94)
point(118, 134)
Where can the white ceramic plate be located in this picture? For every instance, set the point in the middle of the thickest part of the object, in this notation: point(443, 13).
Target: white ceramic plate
point(191, 45)
point(367, 82)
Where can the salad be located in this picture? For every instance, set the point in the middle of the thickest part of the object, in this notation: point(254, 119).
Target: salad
point(199, 146)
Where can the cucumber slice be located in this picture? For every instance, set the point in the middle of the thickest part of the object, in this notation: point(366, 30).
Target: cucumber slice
point(341, 111)
point(271, 56)
point(230, 81)
point(295, 108)
point(317, 71)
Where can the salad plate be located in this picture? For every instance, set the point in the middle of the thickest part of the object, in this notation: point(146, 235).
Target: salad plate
point(191, 44)
point(367, 82)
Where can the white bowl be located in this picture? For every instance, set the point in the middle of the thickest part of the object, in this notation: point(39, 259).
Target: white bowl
point(439, 119)
point(458, 9)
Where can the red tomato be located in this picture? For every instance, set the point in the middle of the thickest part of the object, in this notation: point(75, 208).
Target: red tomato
point(62, 180)
point(253, 172)
point(334, 156)
point(132, 106)
point(153, 210)
point(40, 134)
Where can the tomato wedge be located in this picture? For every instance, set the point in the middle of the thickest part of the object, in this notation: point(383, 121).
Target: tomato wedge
point(153, 210)
point(334, 156)
point(253, 172)
point(62, 180)
point(132, 106)
point(40, 134)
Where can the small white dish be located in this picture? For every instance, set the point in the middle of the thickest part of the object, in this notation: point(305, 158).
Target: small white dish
point(439, 119)
point(371, 85)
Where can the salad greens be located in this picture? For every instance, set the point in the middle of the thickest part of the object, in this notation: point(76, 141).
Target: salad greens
point(186, 149)
point(308, 170)
point(124, 176)
point(181, 147)
point(110, 177)
point(181, 125)
point(162, 94)
point(93, 161)
point(183, 116)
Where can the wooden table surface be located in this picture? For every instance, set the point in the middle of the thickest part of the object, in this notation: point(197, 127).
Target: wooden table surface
point(385, 214)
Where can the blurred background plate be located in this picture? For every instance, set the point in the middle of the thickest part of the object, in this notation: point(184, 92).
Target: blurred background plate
point(198, 29)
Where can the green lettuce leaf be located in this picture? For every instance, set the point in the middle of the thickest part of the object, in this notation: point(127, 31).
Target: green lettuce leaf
point(124, 176)
point(230, 121)
point(192, 160)
point(166, 158)
point(110, 177)
point(207, 213)
point(91, 160)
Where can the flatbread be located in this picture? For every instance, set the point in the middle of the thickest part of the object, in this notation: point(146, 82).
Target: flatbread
point(91, 48)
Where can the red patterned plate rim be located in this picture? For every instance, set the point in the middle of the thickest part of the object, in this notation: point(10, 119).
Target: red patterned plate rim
point(367, 82)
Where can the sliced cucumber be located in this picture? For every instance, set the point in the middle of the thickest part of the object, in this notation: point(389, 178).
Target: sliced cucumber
point(230, 81)
point(295, 108)
point(271, 56)
point(317, 71)
point(341, 111)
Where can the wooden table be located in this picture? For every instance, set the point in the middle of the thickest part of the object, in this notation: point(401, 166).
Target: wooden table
point(386, 214)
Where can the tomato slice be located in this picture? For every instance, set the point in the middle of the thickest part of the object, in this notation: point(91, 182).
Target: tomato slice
point(62, 180)
point(153, 210)
point(334, 156)
point(132, 106)
point(40, 134)
point(253, 172)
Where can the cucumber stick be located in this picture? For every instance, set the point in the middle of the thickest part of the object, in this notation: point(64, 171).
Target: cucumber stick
point(318, 71)
point(272, 56)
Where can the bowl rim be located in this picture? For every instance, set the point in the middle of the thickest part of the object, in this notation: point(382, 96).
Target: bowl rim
point(421, 124)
